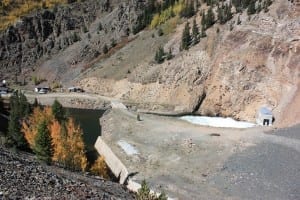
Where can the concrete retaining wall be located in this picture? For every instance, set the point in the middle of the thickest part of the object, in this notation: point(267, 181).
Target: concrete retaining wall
point(113, 162)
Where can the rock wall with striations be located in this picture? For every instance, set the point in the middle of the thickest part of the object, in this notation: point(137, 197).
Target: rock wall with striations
point(45, 34)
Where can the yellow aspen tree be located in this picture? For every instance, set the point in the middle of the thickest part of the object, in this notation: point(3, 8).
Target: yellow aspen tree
point(59, 151)
point(100, 168)
point(76, 157)
point(30, 125)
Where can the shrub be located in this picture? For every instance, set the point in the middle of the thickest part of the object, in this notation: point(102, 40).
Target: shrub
point(160, 32)
point(145, 194)
point(100, 168)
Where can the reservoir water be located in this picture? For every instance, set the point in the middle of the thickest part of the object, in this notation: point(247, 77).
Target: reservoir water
point(89, 123)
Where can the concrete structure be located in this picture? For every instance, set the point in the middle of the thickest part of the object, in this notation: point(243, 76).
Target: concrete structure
point(113, 162)
point(264, 117)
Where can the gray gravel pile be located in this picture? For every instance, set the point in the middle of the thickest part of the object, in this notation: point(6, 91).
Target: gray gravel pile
point(24, 178)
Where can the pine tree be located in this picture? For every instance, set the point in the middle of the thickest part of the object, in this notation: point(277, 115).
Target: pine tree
point(19, 109)
point(169, 54)
point(186, 38)
point(159, 55)
point(195, 33)
point(58, 111)
point(24, 106)
point(113, 43)
point(251, 8)
point(210, 18)
point(105, 49)
point(239, 20)
point(43, 143)
point(144, 192)
point(35, 103)
point(203, 33)
point(203, 20)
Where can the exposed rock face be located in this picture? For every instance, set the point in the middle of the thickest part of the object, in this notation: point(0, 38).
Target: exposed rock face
point(230, 73)
point(24, 178)
point(42, 35)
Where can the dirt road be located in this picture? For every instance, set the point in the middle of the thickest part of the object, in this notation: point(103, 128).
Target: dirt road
point(75, 100)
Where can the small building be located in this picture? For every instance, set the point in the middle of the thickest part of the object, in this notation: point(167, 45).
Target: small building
point(264, 117)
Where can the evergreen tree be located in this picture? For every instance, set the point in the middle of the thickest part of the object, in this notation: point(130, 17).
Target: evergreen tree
point(251, 8)
point(195, 33)
point(239, 20)
point(220, 14)
point(113, 42)
point(35, 103)
point(203, 20)
point(58, 111)
point(210, 18)
point(19, 109)
point(203, 33)
point(169, 54)
point(105, 49)
point(186, 38)
point(24, 106)
point(43, 143)
point(159, 55)
point(228, 12)
point(188, 10)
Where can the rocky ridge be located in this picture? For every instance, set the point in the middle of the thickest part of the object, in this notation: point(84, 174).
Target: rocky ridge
point(73, 34)
point(232, 72)
point(23, 177)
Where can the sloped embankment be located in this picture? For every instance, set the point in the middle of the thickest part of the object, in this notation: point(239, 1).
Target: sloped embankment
point(22, 177)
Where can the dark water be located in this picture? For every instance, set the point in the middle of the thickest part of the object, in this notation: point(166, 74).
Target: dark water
point(89, 123)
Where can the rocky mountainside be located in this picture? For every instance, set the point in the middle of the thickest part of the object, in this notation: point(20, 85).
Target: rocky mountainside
point(233, 72)
point(243, 64)
point(72, 34)
point(24, 178)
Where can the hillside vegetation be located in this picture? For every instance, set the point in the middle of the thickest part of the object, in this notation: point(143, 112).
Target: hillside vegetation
point(12, 10)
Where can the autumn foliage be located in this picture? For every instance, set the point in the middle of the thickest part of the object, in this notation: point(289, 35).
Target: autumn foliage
point(30, 126)
point(12, 10)
point(66, 137)
point(100, 168)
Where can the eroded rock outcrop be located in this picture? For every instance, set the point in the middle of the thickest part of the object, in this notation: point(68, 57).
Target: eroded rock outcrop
point(229, 73)
point(65, 36)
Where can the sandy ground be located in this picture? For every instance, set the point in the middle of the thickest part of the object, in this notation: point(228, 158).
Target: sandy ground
point(193, 162)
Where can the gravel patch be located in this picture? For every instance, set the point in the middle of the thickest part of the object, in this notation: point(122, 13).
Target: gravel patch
point(292, 132)
point(265, 171)
point(24, 178)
